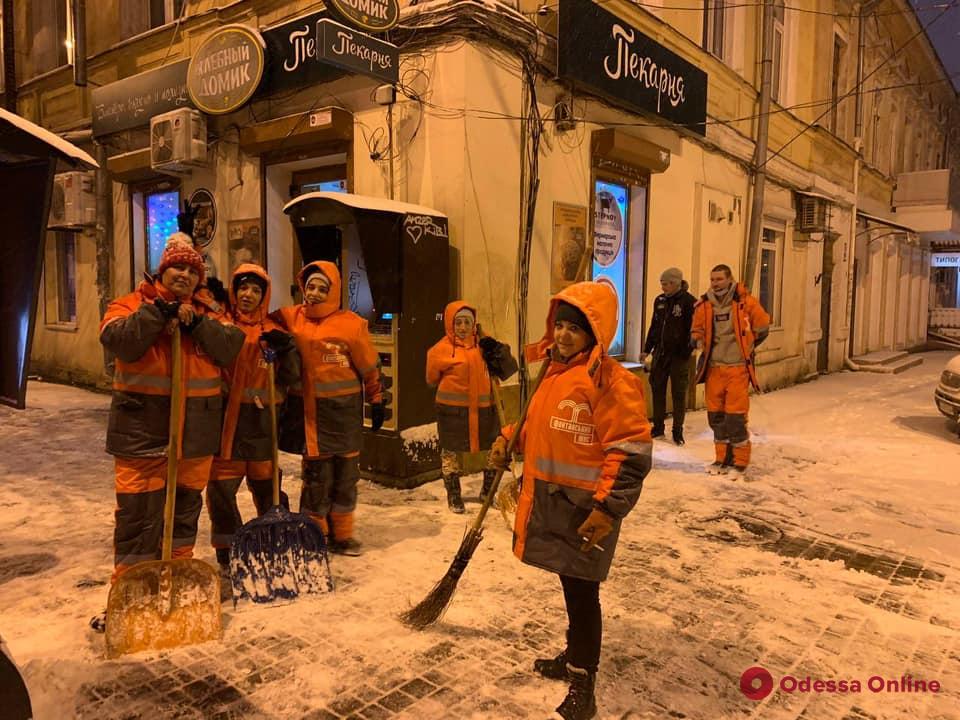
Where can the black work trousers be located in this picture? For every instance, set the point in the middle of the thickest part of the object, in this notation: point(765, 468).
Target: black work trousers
point(677, 371)
point(585, 624)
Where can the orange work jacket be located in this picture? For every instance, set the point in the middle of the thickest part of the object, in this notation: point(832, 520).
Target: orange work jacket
point(751, 323)
point(340, 368)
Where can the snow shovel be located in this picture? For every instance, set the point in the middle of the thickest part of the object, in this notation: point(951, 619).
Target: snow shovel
point(165, 603)
point(279, 555)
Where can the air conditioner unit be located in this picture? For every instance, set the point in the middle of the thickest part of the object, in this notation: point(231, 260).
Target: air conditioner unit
point(811, 214)
point(73, 202)
point(178, 141)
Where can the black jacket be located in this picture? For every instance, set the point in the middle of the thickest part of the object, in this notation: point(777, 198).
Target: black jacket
point(669, 335)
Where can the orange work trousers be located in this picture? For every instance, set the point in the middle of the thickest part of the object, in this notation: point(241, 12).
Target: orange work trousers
point(141, 489)
point(728, 404)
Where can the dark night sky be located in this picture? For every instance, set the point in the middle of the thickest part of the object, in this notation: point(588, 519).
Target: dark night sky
point(945, 32)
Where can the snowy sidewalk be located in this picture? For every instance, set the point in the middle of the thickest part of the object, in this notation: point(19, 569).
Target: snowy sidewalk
point(838, 560)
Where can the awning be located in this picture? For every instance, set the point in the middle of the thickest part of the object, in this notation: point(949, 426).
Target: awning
point(22, 140)
point(884, 221)
point(364, 202)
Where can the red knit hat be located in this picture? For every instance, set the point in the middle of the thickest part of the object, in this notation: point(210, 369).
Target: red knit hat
point(179, 251)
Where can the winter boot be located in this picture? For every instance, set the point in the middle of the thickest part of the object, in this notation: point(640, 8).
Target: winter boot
point(552, 668)
point(350, 547)
point(98, 623)
point(678, 435)
point(454, 501)
point(223, 560)
point(657, 430)
point(488, 477)
point(579, 704)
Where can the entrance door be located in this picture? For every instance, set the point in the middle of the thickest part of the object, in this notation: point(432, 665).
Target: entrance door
point(826, 293)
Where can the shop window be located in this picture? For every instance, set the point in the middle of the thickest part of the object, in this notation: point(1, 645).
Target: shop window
point(618, 255)
point(48, 41)
point(770, 273)
point(160, 217)
point(139, 16)
point(60, 279)
point(779, 18)
point(326, 186)
point(714, 20)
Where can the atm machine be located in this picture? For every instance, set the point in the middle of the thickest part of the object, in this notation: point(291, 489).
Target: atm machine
point(394, 261)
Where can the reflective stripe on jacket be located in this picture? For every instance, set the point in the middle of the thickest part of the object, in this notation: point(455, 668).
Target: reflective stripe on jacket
point(466, 420)
point(586, 444)
point(751, 323)
point(133, 330)
point(340, 368)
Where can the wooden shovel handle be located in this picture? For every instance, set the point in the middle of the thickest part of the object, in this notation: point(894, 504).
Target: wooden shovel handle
point(173, 443)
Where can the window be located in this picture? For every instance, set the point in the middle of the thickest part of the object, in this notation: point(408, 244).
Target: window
point(837, 126)
point(48, 41)
point(770, 271)
point(611, 228)
point(779, 15)
point(60, 279)
point(714, 15)
point(139, 16)
point(161, 222)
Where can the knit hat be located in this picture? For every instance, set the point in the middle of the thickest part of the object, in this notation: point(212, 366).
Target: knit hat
point(247, 277)
point(314, 272)
point(179, 251)
point(672, 275)
point(572, 314)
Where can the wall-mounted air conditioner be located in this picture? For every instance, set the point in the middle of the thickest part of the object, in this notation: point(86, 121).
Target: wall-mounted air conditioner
point(812, 214)
point(73, 203)
point(178, 141)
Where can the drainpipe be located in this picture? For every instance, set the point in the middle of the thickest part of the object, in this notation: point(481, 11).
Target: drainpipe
point(9, 58)
point(760, 152)
point(104, 229)
point(79, 12)
point(857, 161)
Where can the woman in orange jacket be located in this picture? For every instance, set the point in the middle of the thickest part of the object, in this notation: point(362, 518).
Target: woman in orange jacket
point(323, 422)
point(587, 449)
point(136, 330)
point(245, 447)
point(459, 365)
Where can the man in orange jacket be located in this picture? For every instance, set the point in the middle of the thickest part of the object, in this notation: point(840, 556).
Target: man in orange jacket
point(136, 330)
point(246, 448)
point(459, 365)
point(324, 421)
point(728, 325)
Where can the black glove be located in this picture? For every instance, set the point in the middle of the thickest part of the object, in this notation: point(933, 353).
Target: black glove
point(167, 308)
point(277, 340)
point(185, 219)
point(488, 346)
point(197, 317)
point(217, 289)
point(377, 415)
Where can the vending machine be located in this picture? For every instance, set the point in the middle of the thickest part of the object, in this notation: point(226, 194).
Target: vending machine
point(394, 261)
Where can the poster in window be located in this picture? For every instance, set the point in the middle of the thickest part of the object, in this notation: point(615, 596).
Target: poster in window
point(244, 242)
point(569, 245)
point(609, 249)
point(205, 219)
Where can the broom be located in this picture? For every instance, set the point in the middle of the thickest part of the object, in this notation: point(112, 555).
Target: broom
point(432, 607)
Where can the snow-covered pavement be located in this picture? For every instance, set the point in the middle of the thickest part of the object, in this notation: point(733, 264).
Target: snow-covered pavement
point(838, 560)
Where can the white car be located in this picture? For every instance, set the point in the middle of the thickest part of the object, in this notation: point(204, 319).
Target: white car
point(947, 394)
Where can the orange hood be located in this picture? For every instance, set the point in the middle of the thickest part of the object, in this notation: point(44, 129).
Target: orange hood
point(263, 308)
point(332, 303)
point(595, 300)
point(449, 313)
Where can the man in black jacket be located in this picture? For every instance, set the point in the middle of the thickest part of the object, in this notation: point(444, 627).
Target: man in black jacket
point(669, 343)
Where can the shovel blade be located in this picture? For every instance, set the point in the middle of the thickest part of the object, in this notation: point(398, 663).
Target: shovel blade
point(163, 604)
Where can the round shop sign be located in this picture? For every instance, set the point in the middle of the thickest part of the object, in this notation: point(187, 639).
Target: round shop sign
point(607, 229)
point(226, 69)
point(205, 219)
point(371, 15)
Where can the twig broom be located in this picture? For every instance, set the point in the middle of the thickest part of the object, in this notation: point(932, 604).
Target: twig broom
point(432, 607)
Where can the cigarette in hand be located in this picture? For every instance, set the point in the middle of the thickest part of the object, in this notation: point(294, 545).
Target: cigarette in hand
point(592, 547)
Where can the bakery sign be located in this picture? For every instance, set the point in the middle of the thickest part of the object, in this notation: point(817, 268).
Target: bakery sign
point(226, 69)
point(598, 50)
point(371, 15)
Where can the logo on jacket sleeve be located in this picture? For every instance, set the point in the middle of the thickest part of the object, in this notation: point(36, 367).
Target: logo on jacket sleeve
point(582, 431)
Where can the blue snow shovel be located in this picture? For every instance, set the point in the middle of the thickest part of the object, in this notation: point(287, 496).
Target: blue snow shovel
point(279, 555)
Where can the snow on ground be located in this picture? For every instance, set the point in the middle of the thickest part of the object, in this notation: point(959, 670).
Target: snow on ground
point(836, 558)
